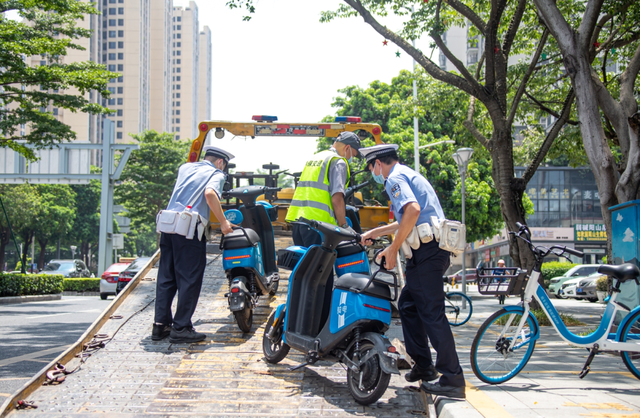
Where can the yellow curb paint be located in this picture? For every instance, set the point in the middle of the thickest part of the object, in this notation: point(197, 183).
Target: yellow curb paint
point(484, 404)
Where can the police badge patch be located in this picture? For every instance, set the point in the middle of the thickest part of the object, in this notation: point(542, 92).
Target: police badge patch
point(395, 190)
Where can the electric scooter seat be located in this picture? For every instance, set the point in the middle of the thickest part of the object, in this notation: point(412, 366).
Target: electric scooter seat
point(357, 282)
point(238, 239)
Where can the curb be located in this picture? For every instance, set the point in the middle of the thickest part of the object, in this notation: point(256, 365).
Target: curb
point(6, 300)
point(72, 293)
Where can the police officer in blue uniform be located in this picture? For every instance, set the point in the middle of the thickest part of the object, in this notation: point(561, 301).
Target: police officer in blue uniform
point(182, 258)
point(421, 303)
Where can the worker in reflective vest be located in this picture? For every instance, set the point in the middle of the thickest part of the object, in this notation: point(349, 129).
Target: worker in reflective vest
point(321, 188)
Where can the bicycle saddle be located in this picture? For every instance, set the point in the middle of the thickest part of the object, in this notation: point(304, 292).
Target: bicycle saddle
point(622, 272)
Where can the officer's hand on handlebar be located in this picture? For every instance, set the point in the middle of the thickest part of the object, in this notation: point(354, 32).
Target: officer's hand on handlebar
point(388, 256)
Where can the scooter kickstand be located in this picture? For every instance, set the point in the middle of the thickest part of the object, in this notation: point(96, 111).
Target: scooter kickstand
point(299, 366)
point(586, 369)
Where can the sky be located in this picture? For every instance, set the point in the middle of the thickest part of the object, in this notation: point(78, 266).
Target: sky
point(284, 62)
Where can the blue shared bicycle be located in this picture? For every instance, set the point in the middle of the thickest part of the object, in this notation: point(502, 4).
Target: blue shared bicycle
point(505, 342)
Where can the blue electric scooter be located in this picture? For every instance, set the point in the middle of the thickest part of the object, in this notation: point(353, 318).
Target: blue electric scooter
point(249, 255)
point(345, 325)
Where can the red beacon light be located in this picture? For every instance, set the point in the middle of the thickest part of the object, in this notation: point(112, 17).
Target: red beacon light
point(264, 118)
point(349, 119)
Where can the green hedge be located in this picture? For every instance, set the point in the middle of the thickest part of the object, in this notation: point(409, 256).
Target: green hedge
point(16, 284)
point(554, 269)
point(82, 284)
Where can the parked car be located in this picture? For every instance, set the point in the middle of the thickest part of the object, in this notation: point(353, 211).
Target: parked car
point(68, 268)
point(471, 276)
point(109, 279)
point(581, 288)
point(581, 270)
point(130, 272)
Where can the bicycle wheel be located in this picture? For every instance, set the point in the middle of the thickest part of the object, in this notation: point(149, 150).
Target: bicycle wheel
point(457, 308)
point(491, 359)
point(631, 333)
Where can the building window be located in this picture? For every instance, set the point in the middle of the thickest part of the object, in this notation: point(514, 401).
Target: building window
point(178, 36)
point(178, 104)
point(112, 102)
point(104, 34)
point(120, 33)
point(120, 79)
point(112, 67)
point(178, 70)
point(179, 27)
point(120, 1)
point(179, 44)
point(112, 10)
point(120, 67)
point(119, 135)
point(104, 57)
point(120, 90)
point(112, 22)
point(177, 95)
point(178, 120)
point(104, 24)
point(120, 45)
point(120, 101)
point(178, 61)
point(55, 111)
point(112, 90)
point(177, 86)
point(43, 62)
point(178, 78)
point(177, 136)
point(120, 22)
point(120, 56)
point(119, 124)
point(174, 18)
point(113, 80)
point(120, 10)
point(112, 45)
point(178, 112)
point(112, 1)
point(112, 34)
point(112, 56)
point(179, 18)
point(179, 52)
point(104, 46)
point(119, 112)
point(178, 129)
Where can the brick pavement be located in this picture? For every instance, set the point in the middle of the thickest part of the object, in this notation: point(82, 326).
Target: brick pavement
point(223, 376)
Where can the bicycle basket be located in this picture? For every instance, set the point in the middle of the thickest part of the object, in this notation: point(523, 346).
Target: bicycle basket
point(509, 281)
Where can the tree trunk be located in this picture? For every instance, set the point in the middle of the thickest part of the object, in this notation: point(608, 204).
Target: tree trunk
point(5, 238)
point(27, 238)
point(43, 248)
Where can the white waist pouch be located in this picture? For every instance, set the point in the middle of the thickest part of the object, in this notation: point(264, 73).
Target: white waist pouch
point(166, 221)
point(412, 241)
point(451, 235)
point(425, 232)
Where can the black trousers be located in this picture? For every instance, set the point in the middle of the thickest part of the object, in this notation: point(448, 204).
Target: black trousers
point(304, 236)
point(182, 264)
point(421, 307)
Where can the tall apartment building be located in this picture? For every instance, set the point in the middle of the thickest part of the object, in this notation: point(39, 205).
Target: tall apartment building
point(185, 72)
point(204, 83)
point(160, 59)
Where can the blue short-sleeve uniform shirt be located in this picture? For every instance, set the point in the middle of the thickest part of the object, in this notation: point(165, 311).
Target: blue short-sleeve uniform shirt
point(191, 179)
point(404, 186)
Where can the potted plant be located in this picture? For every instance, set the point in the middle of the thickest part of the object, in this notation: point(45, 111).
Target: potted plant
point(602, 287)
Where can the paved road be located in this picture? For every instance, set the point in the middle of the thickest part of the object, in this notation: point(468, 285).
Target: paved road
point(34, 333)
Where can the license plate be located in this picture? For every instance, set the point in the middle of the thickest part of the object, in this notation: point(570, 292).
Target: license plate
point(579, 290)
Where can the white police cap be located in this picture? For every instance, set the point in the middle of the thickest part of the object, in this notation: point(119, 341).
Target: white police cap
point(378, 151)
point(217, 152)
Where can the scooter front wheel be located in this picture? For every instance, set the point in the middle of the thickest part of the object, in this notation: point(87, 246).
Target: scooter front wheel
point(244, 318)
point(274, 349)
point(370, 383)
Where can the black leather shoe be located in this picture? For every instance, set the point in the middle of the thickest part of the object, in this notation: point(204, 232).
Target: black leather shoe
point(448, 391)
point(160, 332)
point(417, 373)
point(186, 335)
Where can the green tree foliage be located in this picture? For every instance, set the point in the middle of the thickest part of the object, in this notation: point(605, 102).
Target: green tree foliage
point(147, 183)
point(497, 84)
point(56, 215)
point(48, 29)
point(440, 111)
point(23, 203)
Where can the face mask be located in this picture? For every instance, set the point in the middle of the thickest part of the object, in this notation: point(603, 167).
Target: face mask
point(379, 178)
point(350, 159)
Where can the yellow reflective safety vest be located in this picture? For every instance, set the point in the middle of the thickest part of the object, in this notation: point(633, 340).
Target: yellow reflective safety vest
point(312, 199)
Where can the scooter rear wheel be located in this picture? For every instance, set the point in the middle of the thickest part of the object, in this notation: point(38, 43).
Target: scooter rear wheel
point(374, 380)
point(274, 350)
point(244, 318)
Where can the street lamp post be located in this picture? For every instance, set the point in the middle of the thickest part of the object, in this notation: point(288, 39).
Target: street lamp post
point(73, 251)
point(461, 158)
